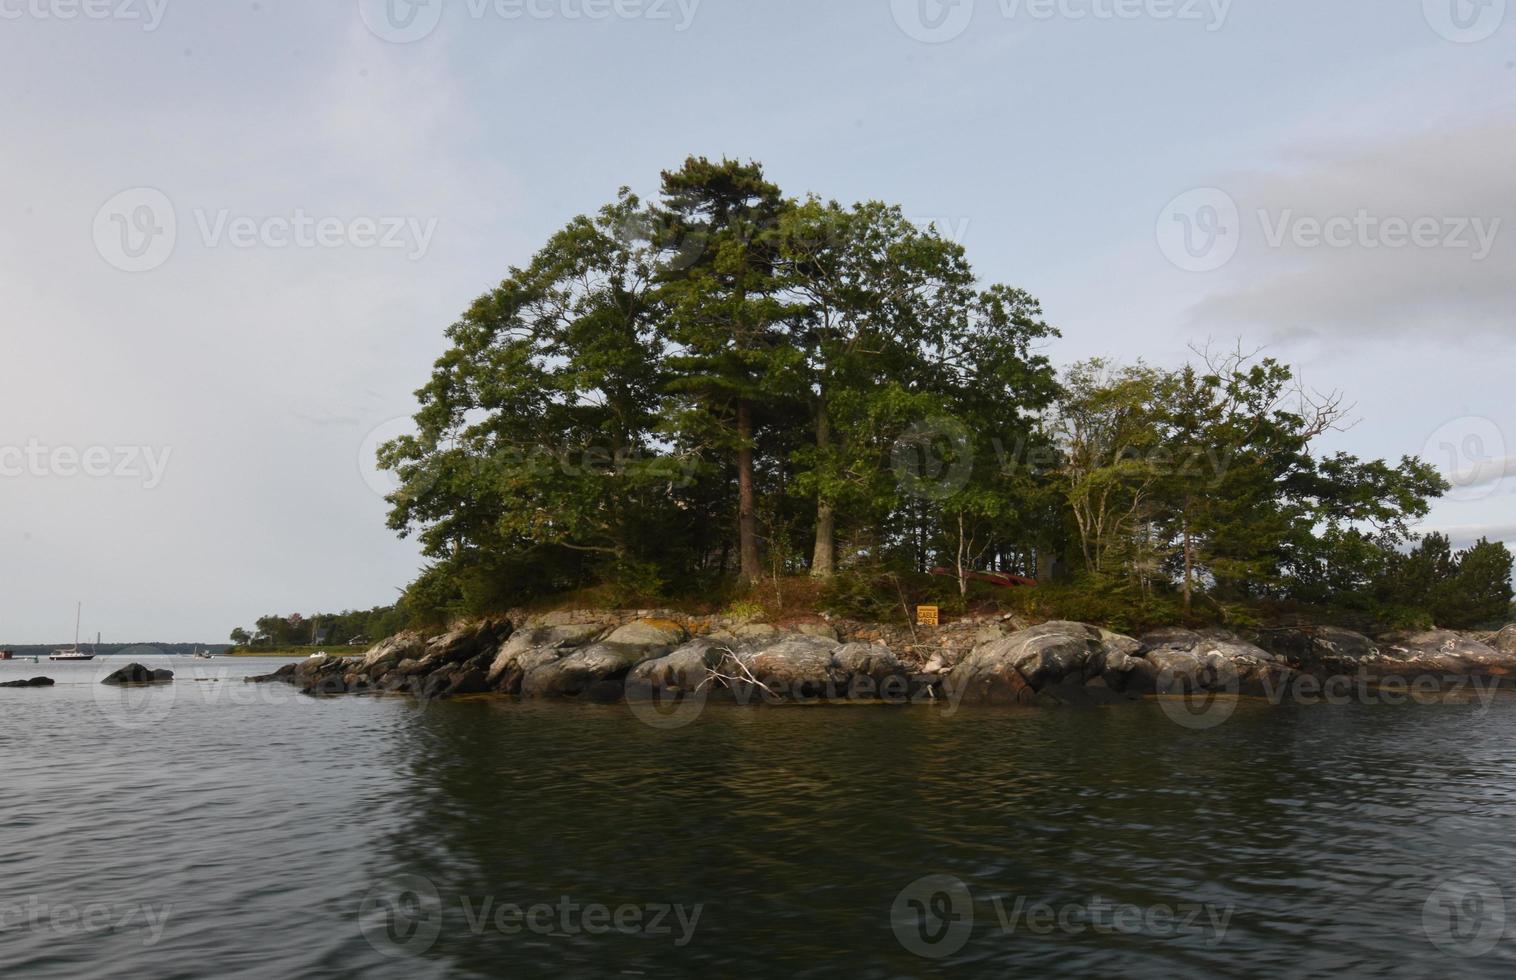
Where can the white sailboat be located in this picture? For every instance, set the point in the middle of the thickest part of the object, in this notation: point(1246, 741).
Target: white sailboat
point(75, 654)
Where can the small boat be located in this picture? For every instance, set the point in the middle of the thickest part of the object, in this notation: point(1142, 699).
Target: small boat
point(201, 656)
point(76, 655)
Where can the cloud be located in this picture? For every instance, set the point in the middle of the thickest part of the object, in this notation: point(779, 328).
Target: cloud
point(1321, 251)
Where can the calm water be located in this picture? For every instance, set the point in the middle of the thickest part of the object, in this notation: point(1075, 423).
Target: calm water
point(215, 828)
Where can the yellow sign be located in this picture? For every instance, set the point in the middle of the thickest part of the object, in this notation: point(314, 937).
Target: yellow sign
point(926, 615)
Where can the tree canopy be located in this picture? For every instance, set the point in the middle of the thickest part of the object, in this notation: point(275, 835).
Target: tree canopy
point(729, 385)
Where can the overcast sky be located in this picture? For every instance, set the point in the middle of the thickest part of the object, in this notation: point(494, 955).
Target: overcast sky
point(232, 233)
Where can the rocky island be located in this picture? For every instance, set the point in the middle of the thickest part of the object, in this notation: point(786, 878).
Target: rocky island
point(608, 657)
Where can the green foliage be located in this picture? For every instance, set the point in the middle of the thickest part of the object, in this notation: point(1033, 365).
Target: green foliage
point(728, 382)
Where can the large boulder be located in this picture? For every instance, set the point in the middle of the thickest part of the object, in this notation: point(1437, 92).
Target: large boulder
point(470, 642)
point(1187, 661)
point(529, 649)
point(387, 654)
point(788, 666)
point(1321, 649)
point(138, 674)
point(1013, 669)
point(1442, 651)
point(685, 670)
point(1504, 641)
point(1042, 655)
point(33, 682)
point(600, 669)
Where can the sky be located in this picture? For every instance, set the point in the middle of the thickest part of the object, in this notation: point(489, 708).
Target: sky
point(233, 233)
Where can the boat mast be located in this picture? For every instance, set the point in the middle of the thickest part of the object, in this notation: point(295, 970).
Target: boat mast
point(78, 612)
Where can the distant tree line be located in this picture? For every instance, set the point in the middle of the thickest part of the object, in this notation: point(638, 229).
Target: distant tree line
point(728, 385)
point(319, 629)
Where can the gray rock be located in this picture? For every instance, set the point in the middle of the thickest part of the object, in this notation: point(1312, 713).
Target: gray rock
point(1504, 641)
point(866, 660)
point(791, 665)
point(656, 633)
point(686, 669)
point(385, 655)
point(572, 675)
point(591, 669)
point(33, 682)
point(528, 649)
point(138, 674)
point(1444, 650)
point(1009, 671)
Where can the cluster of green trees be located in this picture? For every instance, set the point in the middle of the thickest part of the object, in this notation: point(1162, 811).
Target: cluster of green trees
point(727, 383)
point(334, 629)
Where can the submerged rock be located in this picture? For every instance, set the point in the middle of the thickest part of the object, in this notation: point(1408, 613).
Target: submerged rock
point(138, 674)
point(34, 682)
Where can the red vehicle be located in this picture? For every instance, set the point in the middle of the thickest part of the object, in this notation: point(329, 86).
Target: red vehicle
point(1003, 579)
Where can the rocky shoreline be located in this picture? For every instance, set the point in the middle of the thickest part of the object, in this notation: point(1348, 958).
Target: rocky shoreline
point(657, 656)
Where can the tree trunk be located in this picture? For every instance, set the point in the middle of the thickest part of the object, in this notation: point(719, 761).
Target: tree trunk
point(747, 515)
point(1189, 565)
point(824, 558)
